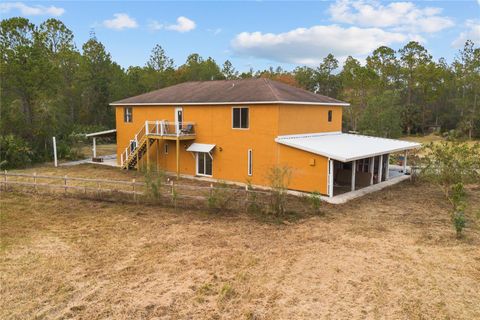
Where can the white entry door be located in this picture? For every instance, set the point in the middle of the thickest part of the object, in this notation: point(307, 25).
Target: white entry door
point(204, 164)
point(178, 119)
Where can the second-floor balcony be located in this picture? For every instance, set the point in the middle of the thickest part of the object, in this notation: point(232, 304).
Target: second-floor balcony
point(170, 129)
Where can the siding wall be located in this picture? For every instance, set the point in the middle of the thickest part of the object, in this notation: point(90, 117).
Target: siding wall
point(214, 126)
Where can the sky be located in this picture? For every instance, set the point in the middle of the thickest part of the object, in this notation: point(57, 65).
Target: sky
point(260, 34)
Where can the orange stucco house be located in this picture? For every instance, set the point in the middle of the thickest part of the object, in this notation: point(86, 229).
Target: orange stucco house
point(236, 130)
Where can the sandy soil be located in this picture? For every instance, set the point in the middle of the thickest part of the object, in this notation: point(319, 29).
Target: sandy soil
point(388, 255)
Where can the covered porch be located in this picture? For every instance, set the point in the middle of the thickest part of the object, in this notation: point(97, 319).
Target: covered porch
point(355, 161)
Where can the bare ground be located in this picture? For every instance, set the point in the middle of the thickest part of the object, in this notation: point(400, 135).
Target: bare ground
point(388, 255)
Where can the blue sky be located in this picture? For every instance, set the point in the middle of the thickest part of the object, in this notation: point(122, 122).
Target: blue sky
point(260, 34)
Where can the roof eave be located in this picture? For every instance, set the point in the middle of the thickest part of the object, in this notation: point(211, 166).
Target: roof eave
point(119, 103)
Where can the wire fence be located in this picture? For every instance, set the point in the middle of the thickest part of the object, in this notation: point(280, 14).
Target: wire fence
point(163, 191)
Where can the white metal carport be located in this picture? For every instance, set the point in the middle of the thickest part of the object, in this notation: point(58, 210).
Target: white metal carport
point(347, 148)
point(95, 135)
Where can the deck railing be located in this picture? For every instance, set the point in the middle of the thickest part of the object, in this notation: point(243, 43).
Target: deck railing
point(157, 128)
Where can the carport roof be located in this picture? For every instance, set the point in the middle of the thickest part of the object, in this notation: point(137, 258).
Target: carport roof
point(343, 146)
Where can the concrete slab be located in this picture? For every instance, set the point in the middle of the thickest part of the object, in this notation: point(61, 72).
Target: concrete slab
point(109, 160)
point(344, 197)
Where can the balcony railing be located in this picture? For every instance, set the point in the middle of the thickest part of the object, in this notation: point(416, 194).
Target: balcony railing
point(169, 128)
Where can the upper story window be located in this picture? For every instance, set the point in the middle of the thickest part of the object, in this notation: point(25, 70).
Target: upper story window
point(240, 118)
point(330, 115)
point(127, 114)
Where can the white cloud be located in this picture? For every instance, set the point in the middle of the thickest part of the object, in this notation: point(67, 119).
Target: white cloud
point(120, 22)
point(154, 25)
point(36, 10)
point(472, 32)
point(183, 25)
point(217, 31)
point(399, 16)
point(310, 45)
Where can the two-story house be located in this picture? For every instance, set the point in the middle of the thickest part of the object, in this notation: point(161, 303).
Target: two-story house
point(236, 130)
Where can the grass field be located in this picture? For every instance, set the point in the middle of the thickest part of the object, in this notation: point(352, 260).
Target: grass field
point(388, 255)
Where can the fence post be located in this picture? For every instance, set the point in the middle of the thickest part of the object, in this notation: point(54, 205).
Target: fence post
point(98, 189)
point(65, 183)
point(35, 181)
point(134, 192)
point(211, 189)
point(172, 187)
point(246, 193)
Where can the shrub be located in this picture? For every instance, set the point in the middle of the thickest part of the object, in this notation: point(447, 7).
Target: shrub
point(252, 205)
point(315, 202)
point(153, 183)
point(14, 152)
point(279, 179)
point(448, 163)
point(459, 222)
point(219, 197)
point(451, 165)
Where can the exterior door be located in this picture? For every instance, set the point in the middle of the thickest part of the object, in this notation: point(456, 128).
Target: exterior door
point(204, 164)
point(178, 119)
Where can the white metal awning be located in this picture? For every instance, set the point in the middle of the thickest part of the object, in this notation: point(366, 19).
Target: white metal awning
point(200, 147)
point(343, 146)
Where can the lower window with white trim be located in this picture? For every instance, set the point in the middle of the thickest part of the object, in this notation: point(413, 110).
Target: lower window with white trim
point(249, 162)
point(204, 164)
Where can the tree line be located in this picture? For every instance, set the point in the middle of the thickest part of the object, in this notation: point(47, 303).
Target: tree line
point(51, 88)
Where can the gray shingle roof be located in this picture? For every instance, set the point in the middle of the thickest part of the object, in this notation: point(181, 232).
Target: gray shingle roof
point(229, 91)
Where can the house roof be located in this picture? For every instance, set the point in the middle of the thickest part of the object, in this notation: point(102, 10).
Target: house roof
point(343, 146)
point(246, 91)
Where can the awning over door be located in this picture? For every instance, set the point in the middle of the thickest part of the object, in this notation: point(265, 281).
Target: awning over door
point(200, 147)
point(345, 147)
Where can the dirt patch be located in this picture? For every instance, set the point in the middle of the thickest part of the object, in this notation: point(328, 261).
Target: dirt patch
point(388, 255)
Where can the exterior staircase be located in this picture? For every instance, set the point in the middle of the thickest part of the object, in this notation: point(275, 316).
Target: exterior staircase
point(148, 133)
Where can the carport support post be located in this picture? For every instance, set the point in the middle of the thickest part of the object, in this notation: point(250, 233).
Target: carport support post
point(380, 169)
point(94, 149)
point(354, 168)
point(387, 173)
point(178, 158)
point(405, 162)
point(330, 178)
point(371, 169)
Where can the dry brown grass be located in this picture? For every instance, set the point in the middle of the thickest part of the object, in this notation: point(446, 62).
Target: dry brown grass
point(388, 255)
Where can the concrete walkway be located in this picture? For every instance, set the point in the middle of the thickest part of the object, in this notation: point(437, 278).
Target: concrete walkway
point(344, 197)
point(109, 160)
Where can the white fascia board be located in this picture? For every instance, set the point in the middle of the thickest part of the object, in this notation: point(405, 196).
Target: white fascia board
point(231, 103)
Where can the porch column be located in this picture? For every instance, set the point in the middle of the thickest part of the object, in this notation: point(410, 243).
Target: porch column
point(94, 149)
point(178, 158)
point(405, 162)
point(371, 169)
point(387, 173)
point(380, 169)
point(330, 178)
point(354, 165)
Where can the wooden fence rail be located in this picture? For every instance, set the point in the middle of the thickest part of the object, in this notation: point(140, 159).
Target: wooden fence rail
point(170, 190)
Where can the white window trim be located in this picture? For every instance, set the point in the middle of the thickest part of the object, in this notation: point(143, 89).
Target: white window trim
point(248, 123)
point(250, 162)
point(196, 164)
point(125, 115)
